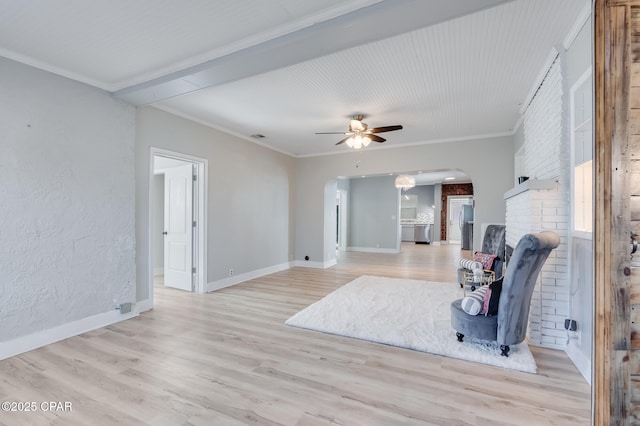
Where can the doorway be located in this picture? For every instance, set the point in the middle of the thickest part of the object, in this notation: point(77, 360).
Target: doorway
point(173, 219)
point(178, 220)
point(455, 220)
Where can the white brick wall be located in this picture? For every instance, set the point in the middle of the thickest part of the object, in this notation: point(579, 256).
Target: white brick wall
point(543, 129)
point(546, 156)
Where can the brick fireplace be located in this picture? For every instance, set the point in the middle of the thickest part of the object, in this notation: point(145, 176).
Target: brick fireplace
point(542, 203)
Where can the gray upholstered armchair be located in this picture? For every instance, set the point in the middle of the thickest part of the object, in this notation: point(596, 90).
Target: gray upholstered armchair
point(509, 325)
point(493, 242)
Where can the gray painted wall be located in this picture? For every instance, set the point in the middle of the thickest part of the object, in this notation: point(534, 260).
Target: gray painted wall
point(579, 56)
point(426, 201)
point(488, 162)
point(373, 213)
point(250, 195)
point(344, 184)
point(67, 216)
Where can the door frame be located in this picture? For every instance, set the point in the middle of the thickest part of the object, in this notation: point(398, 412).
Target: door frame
point(449, 199)
point(200, 211)
point(342, 219)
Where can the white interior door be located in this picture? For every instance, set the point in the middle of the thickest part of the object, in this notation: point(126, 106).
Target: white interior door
point(178, 222)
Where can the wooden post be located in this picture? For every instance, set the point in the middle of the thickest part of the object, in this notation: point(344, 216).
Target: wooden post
point(616, 397)
point(601, 382)
point(633, 70)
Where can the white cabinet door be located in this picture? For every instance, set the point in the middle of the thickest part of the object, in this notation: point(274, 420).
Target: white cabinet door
point(407, 233)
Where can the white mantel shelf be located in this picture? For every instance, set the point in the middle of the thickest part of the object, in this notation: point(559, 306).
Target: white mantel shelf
point(529, 185)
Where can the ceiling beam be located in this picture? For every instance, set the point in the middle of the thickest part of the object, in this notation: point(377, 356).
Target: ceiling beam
point(372, 23)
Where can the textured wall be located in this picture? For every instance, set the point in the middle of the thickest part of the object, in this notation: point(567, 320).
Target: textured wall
point(67, 189)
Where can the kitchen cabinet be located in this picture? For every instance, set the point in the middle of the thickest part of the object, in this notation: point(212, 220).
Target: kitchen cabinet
point(408, 233)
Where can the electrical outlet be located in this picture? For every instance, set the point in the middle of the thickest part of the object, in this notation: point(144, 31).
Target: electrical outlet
point(230, 272)
point(124, 308)
point(570, 325)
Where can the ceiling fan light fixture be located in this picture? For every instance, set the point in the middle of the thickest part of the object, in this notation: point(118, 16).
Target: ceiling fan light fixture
point(356, 125)
point(360, 135)
point(405, 182)
point(357, 142)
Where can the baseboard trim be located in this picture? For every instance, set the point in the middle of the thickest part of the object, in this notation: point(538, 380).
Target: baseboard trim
point(144, 305)
point(237, 279)
point(330, 263)
point(307, 264)
point(374, 250)
point(581, 362)
point(158, 271)
point(548, 345)
point(42, 338)
point(435, 243)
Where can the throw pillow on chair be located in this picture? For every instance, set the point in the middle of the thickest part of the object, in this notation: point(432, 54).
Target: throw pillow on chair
point(474, 301)
point(486, 260)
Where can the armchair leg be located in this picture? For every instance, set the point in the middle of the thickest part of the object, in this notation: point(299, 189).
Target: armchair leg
point(505, 350)
point(460, 336)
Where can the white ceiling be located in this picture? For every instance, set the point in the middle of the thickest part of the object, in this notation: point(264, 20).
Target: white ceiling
point(286, 69)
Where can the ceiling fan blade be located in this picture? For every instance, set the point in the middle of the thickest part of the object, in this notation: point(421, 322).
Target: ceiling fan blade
point(333, 133)
point(376, 138)
point(343, 140)
point(385, 129)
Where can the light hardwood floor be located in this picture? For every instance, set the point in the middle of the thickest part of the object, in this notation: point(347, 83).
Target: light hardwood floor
point(225, 358)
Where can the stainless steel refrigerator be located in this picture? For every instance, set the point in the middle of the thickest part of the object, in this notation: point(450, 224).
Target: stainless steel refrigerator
point(466, 226)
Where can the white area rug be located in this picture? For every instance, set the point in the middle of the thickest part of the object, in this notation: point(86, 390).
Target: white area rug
point(406, 313)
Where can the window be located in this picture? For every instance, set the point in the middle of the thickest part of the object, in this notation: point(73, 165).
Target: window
point(582, 150)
